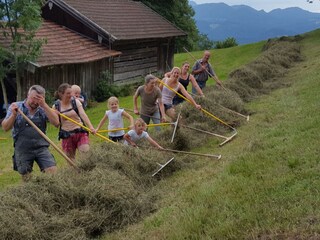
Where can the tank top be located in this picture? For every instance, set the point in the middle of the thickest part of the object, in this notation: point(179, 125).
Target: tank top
point(167, 94)
point(185, 82)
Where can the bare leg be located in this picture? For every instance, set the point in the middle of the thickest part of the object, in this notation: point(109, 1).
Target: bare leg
point(172, 114)
point(84, 148)
point(51, 170)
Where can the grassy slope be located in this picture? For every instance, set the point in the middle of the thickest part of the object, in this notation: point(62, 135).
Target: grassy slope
point(267, 184)
point(224, 60)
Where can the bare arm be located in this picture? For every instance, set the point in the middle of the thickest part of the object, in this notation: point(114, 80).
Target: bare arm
point(103, 120)
point(188, 96)
point(160, 84)
point(167, 74)
point(8, 123)
point(84, 117)
point(129, 117)
point(128, 139)
point(153, 142)
point(161, 107)
point(195, 85)
point(215, 77)
point(198, 68)
point(135, 102)
point(52, 115)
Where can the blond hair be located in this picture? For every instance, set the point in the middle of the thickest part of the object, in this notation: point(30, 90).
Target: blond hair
point(76, 88)
point(141, 121)
point(112, 99)
point(175, 68)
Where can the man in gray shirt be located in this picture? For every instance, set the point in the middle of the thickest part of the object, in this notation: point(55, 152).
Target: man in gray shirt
point(29, 145)
point(201, 70)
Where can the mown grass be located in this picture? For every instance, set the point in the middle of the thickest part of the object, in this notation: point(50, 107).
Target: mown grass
point(267, 184)
point(223, 60)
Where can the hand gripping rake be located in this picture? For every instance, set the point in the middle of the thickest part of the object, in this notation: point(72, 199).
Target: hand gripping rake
point(205, 69)
point(84, 127)
point(203, 110)
point(226, 139)
point(49, 140)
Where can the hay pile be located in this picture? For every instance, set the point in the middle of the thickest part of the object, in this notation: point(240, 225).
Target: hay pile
point(264, 74)
point(115, 187)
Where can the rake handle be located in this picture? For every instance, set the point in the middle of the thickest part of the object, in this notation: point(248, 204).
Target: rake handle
point(84, 127)
point(203, 110)
point(191, 153)
point(205, 68)
point(48, 140)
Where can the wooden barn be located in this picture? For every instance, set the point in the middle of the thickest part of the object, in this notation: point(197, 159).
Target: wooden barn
point(66, 56)
point(88, 37)
point(145, 39)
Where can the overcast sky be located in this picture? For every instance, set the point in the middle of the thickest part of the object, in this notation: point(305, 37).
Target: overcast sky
point(269, 5)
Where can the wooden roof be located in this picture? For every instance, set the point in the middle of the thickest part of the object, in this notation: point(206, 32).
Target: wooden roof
point(120, 19)
point(66, 47)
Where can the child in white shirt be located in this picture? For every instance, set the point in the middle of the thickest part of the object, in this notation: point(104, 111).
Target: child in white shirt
point(115, 116)
point(135, 135)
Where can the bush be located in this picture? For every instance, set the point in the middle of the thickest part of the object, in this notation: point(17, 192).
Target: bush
point(104, 89)
point(228, 42)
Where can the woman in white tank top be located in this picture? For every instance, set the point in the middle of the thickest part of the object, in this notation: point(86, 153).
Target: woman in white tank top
point(168, 94)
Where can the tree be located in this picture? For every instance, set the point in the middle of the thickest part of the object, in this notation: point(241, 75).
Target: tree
point(181, 14)
point(20, 21)
point(204, 42)
point(228, 42)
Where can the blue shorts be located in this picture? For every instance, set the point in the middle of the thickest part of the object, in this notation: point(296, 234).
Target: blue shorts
point(23, 160)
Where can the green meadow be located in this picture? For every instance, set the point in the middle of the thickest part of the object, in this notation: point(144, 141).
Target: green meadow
point(266, 186)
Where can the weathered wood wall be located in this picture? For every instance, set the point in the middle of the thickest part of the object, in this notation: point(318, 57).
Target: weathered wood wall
point(142, 57)
point(85, 75)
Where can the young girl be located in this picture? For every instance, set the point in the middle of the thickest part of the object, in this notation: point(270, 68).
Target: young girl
point(115, 116)
point(134, 136)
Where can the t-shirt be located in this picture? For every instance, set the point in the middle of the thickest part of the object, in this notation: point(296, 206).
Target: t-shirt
point(202, 76)
point(115, 121)
point(135, 137)
point(149, 100)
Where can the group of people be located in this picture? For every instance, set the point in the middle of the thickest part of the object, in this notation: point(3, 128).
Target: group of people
point(158, 99)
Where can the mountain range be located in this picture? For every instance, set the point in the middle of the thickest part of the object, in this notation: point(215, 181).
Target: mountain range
point(247, 25)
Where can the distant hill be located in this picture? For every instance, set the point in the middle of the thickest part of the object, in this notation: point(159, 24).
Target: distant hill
point(247, 25)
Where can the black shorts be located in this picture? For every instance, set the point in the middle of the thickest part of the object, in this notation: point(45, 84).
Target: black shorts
point(116, 138)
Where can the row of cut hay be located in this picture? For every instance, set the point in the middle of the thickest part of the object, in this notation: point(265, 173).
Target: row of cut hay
point(243, 85)
point(264, 74)
point(114, 187)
